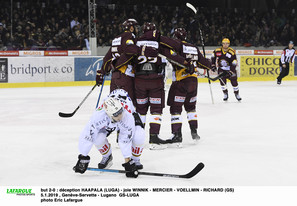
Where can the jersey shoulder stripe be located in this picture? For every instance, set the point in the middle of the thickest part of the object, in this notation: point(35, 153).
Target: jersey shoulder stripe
point(230, 50)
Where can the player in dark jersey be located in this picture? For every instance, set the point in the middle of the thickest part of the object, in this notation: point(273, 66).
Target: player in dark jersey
point(224, 58)
point(287, 57)
point(149, 79)
point(183, 91)
point(118, 60)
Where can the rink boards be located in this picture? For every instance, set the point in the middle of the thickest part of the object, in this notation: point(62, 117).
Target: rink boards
point(70, 68)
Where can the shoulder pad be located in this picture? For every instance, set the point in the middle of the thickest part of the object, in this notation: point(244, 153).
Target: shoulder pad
point(129, 42)
point(231, 51)
point(218, 49)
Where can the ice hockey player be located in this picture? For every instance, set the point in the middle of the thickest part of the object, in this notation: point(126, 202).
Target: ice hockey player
point(118, 59)
point(117, 112)
point(149, 79)
point(183, 91)
point(224, 58)
point(288, 56)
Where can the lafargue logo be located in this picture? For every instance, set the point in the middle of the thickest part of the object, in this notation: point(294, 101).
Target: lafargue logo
point(94, 67)
point(23, 192)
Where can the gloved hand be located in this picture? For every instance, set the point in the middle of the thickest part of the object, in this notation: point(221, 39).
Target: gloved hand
point(213, 68)
point(228, 74)
point(131, 169)
point(148, 51)
point(99, 78)
point(190, 68)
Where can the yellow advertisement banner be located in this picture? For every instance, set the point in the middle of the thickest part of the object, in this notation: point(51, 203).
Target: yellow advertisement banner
point(261, 66)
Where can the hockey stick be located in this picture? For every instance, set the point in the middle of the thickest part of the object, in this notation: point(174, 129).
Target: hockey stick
point(61, 114)
point(180, 65)
point(191, 174)
point(100, 92)
point(190, 6)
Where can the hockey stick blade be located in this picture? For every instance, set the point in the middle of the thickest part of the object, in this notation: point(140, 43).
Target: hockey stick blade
point(191, 174)
point(61, 114)
point(191, 7)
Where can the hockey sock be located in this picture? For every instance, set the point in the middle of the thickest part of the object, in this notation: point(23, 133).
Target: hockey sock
point(236, 89)
point(155, 123)
point(176, 123)
point(192, 119)
point(104, 149)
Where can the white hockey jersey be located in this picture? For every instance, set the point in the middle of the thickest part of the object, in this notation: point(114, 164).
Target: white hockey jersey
point(288, 55)
point(101, 123)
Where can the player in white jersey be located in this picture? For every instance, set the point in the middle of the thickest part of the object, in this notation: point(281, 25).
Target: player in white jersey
point(117, 113)
point(287, 57)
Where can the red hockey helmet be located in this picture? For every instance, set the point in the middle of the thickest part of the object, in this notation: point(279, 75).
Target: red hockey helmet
point(148, 26)
point(128, 23)
point(180, 33)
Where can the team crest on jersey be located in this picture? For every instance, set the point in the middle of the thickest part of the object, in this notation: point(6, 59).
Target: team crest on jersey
point(179, 99)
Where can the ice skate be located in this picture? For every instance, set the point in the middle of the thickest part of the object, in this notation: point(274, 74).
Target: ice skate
point(194, 134)
point(156, 143)
point(138, 165)
point(225, 97)
point(176, 140)
point(238, 97)
point(106, 162)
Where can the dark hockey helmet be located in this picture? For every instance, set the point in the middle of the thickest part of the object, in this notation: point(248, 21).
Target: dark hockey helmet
point(180, 33)
point(128, 23)
point(148, 26)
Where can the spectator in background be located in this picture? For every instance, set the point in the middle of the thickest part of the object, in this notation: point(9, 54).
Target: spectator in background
point(59, 21)
point(74, 22)
point(3, 32)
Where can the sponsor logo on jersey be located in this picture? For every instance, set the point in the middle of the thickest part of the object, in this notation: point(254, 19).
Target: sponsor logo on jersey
point(153, 44)
point(193, 99)
point(189, 50)
point(179, 99)
point(219, 54)
point(155, 100)
point(142, 101)
point(228, 55)
point(116, 41)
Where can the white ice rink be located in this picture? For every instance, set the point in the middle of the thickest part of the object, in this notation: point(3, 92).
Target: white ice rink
point(252, 143)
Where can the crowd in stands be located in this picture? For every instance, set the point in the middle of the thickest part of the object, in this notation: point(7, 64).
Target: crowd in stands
point(58, 25)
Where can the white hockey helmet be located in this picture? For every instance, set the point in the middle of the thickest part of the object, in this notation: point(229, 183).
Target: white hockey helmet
point(113, 107)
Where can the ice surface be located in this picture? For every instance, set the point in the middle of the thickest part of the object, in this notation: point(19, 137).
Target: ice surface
point(249, 143)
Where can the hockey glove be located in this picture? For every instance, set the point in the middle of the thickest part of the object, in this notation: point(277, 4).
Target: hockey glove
point(82, 164)
point(137, 120)
point(149, 52)
point(99, 78)
point(190, 68)
point(228, 74)
point(213, 68)
point(131, 169)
